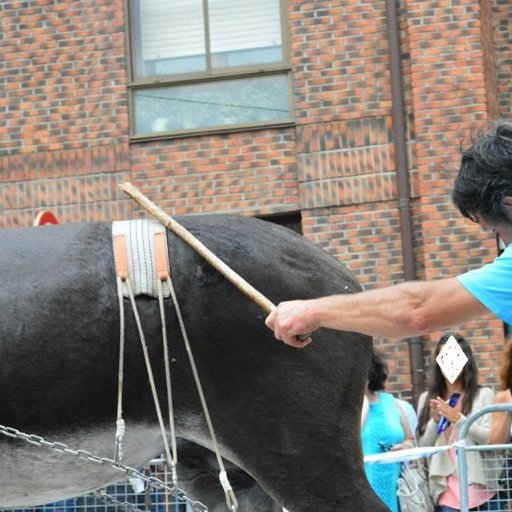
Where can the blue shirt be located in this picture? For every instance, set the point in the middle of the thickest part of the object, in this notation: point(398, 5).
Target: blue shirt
point(492, 285)
point(383, 429)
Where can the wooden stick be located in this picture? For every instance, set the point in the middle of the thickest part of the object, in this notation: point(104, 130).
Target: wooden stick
point(208, 255)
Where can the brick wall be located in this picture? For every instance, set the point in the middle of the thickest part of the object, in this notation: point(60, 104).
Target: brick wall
point(487, 35)
point(449, 93)
point(64, 142)
point(339, 59)
point(63, 75)
point(63, 111)
point(503, 40)
point(77, 185)
point(251, 173)
point(347, 162)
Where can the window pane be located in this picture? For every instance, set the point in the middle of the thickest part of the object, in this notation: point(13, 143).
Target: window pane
point(171, 37)
point(244, 32)
point(214, 104)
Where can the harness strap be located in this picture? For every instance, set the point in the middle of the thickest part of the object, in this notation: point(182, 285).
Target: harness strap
point(124, 288)
point(121, 264)
point(162, 271)
point(120, 256)
point(161, 257)
point(170, 406)
point(140, 259)
point(150, 373)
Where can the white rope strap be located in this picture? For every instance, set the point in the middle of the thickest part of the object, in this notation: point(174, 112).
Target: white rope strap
point(170, 405)
point(121, 262)
point(150, 372)
point(125, 288)
point(120, 426)
point(231, 500)
point(162, 268)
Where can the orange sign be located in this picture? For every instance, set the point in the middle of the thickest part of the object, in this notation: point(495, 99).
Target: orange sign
point(45, 217)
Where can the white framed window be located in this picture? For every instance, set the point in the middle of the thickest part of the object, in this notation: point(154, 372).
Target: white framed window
point(200, 65)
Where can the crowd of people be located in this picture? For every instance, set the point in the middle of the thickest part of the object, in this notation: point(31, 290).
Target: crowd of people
point(441, 410)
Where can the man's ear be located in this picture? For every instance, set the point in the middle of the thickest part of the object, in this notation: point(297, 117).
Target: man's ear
point(506, 204)
point(507, 201)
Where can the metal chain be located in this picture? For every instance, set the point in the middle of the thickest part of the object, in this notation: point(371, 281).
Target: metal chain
point(87, 456)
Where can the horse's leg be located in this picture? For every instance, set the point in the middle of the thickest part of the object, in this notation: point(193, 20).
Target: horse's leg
point(198, 475)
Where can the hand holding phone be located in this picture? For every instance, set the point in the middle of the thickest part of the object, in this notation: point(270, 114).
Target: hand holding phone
point(444, 423)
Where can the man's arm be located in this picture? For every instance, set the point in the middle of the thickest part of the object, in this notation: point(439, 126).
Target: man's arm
point(407, 309)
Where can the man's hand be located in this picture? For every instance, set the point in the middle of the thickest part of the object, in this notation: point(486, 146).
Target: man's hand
point(290, 320)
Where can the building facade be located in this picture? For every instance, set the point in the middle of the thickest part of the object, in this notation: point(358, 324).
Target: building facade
point(344, 115)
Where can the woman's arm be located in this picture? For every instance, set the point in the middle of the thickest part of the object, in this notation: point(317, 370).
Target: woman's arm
point(430, 435)
point(501, 421)
point(409, 438)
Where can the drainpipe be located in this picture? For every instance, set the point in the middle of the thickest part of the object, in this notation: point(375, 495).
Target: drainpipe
point(404, 202)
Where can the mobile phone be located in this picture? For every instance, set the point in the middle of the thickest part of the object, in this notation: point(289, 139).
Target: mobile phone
point(444, 423)
point(385, 447)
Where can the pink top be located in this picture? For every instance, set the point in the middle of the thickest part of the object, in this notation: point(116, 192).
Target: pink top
point(477, 494)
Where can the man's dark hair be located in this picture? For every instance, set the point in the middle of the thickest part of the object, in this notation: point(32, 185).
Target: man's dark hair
point(378, 373)
point(485, 176)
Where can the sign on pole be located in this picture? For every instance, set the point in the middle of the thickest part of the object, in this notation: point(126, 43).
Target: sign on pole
point(45, 217)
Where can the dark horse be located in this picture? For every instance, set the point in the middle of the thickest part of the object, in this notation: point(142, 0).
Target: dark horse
point(288, 418)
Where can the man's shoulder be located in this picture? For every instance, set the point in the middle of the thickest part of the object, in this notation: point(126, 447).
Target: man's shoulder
point(490, 285)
